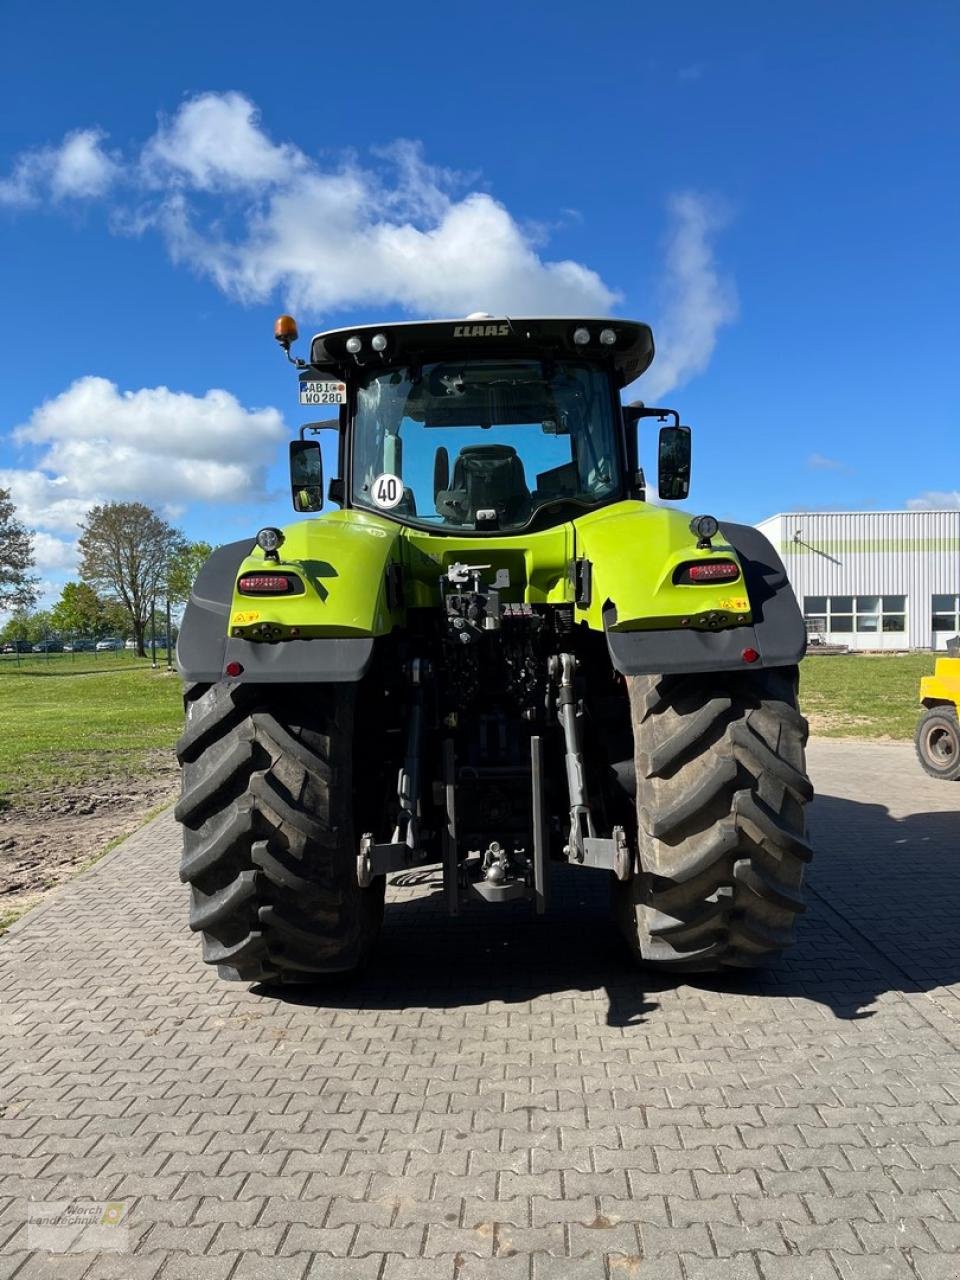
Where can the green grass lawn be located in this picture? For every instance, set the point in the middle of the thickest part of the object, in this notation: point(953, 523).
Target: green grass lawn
point(81, 718)
point(851, 695)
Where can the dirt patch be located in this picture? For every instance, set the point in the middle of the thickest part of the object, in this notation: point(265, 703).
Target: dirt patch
point(832, 724)
point(62, 832)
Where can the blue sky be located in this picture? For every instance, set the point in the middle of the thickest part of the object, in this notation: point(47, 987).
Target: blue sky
point(775, 188)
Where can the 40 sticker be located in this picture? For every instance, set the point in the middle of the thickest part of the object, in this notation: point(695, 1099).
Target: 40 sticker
point(387, 491)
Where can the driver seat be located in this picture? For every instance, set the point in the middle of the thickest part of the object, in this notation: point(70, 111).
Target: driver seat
point(485, 477)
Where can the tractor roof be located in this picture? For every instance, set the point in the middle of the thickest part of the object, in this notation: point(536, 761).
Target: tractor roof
point(631, 352)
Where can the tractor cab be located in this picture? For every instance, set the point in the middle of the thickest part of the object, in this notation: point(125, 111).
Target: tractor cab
point(478, 426)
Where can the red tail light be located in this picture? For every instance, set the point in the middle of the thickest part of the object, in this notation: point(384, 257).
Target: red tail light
point(269, 584)
point(707, 571)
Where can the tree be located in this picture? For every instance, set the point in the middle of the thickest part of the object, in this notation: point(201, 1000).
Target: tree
point(16, 627)
point(79, 611)
point(184, 567)
point(18, 587)
point(38, 626)
point(115, 621)
point(125, 553)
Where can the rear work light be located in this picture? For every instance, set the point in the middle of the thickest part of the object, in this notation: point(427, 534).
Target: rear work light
point(269, 584)
point(703, 571)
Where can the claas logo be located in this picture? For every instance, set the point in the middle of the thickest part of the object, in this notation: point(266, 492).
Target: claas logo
point(481, 331)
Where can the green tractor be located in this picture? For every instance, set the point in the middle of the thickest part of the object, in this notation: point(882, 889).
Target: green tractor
point(493, 655)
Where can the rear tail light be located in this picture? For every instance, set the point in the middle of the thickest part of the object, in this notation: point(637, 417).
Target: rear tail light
point(704, 571)
point(269, 584)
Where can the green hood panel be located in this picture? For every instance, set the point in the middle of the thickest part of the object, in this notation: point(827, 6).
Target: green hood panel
point(634, 549)
point(361, 572)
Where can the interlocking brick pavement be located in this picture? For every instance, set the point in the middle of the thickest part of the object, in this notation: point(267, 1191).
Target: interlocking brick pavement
point(501, 1097)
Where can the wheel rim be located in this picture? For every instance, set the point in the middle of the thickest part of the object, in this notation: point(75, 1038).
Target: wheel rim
point(941, 745)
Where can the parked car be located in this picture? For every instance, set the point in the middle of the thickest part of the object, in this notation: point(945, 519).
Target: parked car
point(79, 646)
point(48, 646)
point(18, 646)
point(130, 644)
point(109, 646)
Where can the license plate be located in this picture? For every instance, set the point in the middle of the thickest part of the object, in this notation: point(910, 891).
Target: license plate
point(323, 393)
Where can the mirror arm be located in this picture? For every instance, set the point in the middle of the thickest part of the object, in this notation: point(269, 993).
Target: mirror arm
point(635, 412)
point(329, 424)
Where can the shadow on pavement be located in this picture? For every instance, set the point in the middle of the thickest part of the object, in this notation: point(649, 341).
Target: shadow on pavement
point(881, 916)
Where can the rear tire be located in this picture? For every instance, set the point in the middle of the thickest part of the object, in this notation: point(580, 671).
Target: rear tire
point(938, 743)
point(721, 789)
point(270, 847)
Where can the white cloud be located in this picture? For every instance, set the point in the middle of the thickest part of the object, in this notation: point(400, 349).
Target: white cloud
point(53, 555)
point(44, 501)
point(698, 301)
point(935, 500)
point(79, 168)
point(817, 462)
point(325, 239)
point(322, 246)
point(214, 142)
point(165, 448)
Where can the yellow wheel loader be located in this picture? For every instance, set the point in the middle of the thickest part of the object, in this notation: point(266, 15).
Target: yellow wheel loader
point(938, 732)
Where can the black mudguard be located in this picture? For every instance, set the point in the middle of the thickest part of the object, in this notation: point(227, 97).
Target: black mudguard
point(777, 633)
point(204, 647)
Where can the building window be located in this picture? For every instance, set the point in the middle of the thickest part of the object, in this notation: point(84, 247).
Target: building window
point(894, 614)
point(946, 613)
point(866, 614)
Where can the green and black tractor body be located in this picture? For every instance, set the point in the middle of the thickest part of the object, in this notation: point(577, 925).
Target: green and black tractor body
point(491, 654)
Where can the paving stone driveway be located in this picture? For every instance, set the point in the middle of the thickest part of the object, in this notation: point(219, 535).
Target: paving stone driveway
point(501, 1097)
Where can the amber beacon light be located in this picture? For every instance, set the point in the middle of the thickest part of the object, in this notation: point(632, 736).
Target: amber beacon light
point(285, 331)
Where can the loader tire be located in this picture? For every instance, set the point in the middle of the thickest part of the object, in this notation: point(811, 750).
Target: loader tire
point(938, 742)
point(269, 838)
point(721, 788)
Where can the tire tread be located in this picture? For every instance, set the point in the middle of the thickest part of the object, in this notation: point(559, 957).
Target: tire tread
point(266, 809)
point(721, 790)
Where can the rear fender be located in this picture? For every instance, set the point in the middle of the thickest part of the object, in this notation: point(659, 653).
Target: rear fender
point(776, 630)
point(347, 600)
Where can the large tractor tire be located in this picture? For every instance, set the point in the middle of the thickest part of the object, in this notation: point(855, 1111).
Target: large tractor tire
point(721, 788)
point(270, 844)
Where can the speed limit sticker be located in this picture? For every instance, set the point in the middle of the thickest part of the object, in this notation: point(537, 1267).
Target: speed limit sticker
point(387, 491)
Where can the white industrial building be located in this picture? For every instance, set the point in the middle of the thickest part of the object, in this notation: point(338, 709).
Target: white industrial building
point(873, 579)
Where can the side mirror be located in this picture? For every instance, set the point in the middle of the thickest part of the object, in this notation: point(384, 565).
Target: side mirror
point(441, 471)
point(673, 462)
point(306, 475)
